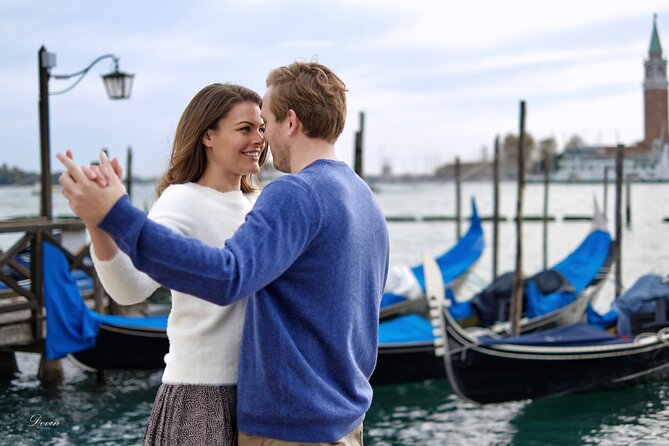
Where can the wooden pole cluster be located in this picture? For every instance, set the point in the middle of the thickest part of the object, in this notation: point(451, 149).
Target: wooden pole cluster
point(358, 143)
point(518, 285)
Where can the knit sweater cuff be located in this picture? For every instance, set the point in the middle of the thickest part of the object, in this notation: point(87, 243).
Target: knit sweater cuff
point(124, 223)
point(121, 280)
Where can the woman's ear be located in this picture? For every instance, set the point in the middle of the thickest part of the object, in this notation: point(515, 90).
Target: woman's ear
point(206, 138)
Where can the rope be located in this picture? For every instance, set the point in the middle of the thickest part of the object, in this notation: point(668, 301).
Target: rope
point(663, 335)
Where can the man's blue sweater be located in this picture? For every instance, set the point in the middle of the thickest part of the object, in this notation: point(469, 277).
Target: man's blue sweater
point(313, 256)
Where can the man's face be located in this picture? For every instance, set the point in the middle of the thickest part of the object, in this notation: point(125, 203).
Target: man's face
point(275, 134)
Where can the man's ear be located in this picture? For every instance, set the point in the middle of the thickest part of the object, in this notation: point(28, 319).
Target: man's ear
point(294, 123)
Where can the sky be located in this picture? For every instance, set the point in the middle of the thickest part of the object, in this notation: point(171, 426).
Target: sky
point(436, 79)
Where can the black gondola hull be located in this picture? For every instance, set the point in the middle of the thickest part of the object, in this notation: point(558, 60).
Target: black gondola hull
point(125, 348)
point(489, 375)
point(405, 364)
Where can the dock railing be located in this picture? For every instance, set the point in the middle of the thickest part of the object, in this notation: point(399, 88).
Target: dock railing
point(22, 311)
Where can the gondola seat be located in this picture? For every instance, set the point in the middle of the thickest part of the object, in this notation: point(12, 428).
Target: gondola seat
point(652, 321)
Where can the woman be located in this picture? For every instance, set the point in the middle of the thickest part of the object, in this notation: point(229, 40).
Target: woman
point(205, 193)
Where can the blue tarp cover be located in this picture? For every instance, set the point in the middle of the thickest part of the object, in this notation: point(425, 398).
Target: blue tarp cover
point(408, 328)
point(456, 261)
point(601, 321)
point(639, 298)
point(579, 269)
point(579, 334)
point(453, 263)
point(70, 325)
point(157, 322)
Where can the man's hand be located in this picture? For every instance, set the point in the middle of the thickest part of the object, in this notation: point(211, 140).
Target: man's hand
point(87, 198)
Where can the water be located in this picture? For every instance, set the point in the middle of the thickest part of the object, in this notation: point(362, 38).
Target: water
point(83, 411)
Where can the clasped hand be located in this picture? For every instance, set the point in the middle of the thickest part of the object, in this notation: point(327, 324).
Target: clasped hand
point(92, 191)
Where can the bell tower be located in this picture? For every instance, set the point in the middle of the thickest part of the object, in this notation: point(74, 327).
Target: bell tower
point(655, 91)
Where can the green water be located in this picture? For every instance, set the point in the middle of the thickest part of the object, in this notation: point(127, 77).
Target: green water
point(83, 411)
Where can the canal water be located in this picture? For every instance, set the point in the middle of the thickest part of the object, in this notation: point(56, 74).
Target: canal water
point(84, 411)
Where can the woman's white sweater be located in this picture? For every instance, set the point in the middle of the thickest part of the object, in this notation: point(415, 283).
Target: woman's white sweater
point(204, 338)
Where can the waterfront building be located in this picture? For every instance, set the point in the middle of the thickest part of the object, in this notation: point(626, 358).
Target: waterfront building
point(648, 160)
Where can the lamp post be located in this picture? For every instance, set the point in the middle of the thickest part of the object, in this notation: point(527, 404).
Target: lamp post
point(117, 84)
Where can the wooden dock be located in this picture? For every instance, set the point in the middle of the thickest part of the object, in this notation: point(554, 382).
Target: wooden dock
point(22, 310)
point(501, 218)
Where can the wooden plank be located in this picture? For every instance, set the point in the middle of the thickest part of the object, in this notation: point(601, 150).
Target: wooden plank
point(436, 218)
point(16, 334)
point(577, 218)
point(34, 225)
point(11, 311)
point(16, 287)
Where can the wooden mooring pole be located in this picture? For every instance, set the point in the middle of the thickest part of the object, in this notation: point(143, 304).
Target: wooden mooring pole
point(128, 172)
point(547, 175)
point(606, 192)
point(628, 201)
point(620, 158)
point(516, 309)
point(8, 366)
point(50, 372)
point(458, 200)
point(358, 142)
point(495, 208)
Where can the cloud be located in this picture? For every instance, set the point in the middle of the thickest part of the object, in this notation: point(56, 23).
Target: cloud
point(435, 79)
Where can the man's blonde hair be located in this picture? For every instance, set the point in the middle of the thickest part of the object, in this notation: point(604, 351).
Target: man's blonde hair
point(315, 93)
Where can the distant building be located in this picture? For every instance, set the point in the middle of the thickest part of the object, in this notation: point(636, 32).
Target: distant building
point(648, 160)
point(469, 171)
point(589, 163)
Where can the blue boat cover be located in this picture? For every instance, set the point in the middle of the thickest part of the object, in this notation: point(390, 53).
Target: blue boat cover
point(579, 269)
point(391, 298)
point(154, 322)
point(579, 334)
point(601, 321)
point(407, 328)
point(453, 263)
point(639, 298)
point(457, 260)
point(70, 325)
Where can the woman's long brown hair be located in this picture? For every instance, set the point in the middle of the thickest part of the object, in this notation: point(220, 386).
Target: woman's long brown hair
point(189, 160)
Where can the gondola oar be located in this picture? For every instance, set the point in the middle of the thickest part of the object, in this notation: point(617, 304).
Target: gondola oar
point(434, 290)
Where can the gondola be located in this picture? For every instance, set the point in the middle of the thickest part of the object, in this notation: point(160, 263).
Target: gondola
point(95, 341)
point(406, 343)
point(405, 288)
point(554, 296)
point(577, 358)
point(125, 343)
point(406, 351)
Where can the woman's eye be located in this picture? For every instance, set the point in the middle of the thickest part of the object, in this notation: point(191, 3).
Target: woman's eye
point(261, 129)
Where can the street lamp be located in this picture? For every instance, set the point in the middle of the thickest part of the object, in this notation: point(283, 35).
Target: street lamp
point(117, 83)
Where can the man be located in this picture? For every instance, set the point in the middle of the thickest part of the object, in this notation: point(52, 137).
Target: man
point(314, 250)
